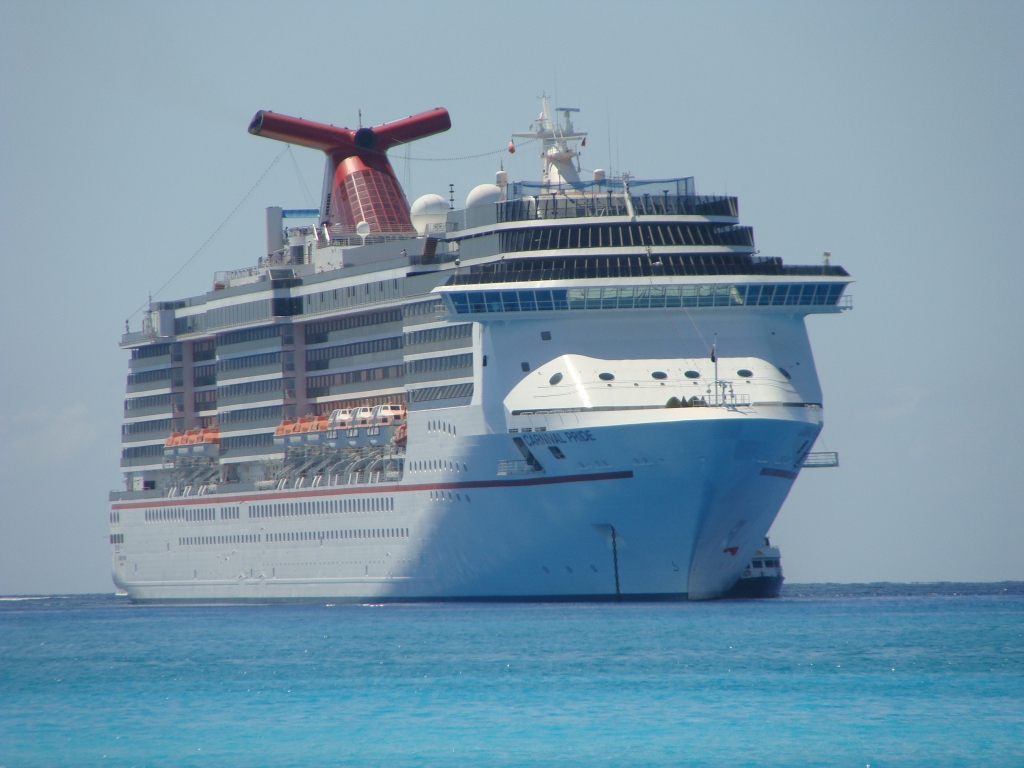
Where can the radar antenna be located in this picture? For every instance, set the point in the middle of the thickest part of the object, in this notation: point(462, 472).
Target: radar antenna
point(558, 144)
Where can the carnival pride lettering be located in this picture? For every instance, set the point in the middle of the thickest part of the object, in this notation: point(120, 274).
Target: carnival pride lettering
point(551, 438)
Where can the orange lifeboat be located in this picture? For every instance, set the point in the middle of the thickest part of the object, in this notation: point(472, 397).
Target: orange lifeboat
point(173, 440)
point(284, 428)
point(401, 434)
point(211, 435)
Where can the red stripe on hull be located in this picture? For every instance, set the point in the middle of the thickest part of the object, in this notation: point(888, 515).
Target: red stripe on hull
point(347, 490)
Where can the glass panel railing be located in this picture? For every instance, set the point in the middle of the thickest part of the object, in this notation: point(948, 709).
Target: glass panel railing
point(510, 301)
point(647, 297)
point(595, 204)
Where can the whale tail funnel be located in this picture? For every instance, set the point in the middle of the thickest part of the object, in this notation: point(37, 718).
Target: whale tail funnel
point(360, 184)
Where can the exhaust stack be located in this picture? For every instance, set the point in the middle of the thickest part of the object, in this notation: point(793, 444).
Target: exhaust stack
point(360, 181)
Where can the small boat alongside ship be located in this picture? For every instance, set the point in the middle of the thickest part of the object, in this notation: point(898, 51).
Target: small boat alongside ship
point(762, 577)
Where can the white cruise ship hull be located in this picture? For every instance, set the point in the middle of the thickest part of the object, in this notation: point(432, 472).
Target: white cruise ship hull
point(689, 493)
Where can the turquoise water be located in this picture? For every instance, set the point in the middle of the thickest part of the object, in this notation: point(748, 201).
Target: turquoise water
point(828, 675)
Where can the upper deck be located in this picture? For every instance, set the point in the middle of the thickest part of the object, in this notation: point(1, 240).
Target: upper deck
point(528, 200)
point(571, 234)
point(365, 246)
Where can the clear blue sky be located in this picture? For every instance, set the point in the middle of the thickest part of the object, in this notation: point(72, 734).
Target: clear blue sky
point(891, 134)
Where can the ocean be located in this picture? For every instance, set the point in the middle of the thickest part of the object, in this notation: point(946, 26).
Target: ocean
point(829, 675)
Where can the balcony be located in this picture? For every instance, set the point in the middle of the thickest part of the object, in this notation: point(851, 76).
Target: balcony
point(820, 460)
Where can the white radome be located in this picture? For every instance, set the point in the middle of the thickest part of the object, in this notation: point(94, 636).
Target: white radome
point(427, 212)
point(484, 194)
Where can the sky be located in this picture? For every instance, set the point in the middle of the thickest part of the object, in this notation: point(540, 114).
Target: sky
point(890, 134)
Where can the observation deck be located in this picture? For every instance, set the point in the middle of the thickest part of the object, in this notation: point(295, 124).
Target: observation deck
point(529, 201)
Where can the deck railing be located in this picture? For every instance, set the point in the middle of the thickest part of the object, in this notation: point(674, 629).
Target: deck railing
point(611, 204)
point(820, 460)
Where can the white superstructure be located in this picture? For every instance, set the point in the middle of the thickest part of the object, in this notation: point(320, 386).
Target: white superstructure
point(571, 390)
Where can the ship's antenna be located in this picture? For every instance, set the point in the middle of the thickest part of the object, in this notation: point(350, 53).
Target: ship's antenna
point(451, 196)
point(360, 118)
point(618, 163)
point(608, 128)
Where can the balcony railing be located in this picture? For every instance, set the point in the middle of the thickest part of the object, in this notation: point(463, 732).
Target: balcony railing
point(820, 460)
point(597, 204)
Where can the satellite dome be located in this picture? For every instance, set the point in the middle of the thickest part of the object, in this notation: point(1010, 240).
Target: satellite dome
point(429, 204)
point(484, 194)
point(429, 213)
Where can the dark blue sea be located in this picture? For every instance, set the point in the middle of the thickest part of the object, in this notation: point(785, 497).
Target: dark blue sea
point(831, 675)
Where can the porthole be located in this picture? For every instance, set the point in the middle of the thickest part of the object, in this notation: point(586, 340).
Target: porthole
point(659, 375)
point(555, 378)
point(785, 373)
point(744, 373)
point(606, 376)
point(692, 374)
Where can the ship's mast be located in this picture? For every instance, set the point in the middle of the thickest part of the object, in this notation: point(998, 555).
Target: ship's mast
point(558, 144)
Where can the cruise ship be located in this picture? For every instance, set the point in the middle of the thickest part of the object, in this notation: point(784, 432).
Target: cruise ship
point(586, 387)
